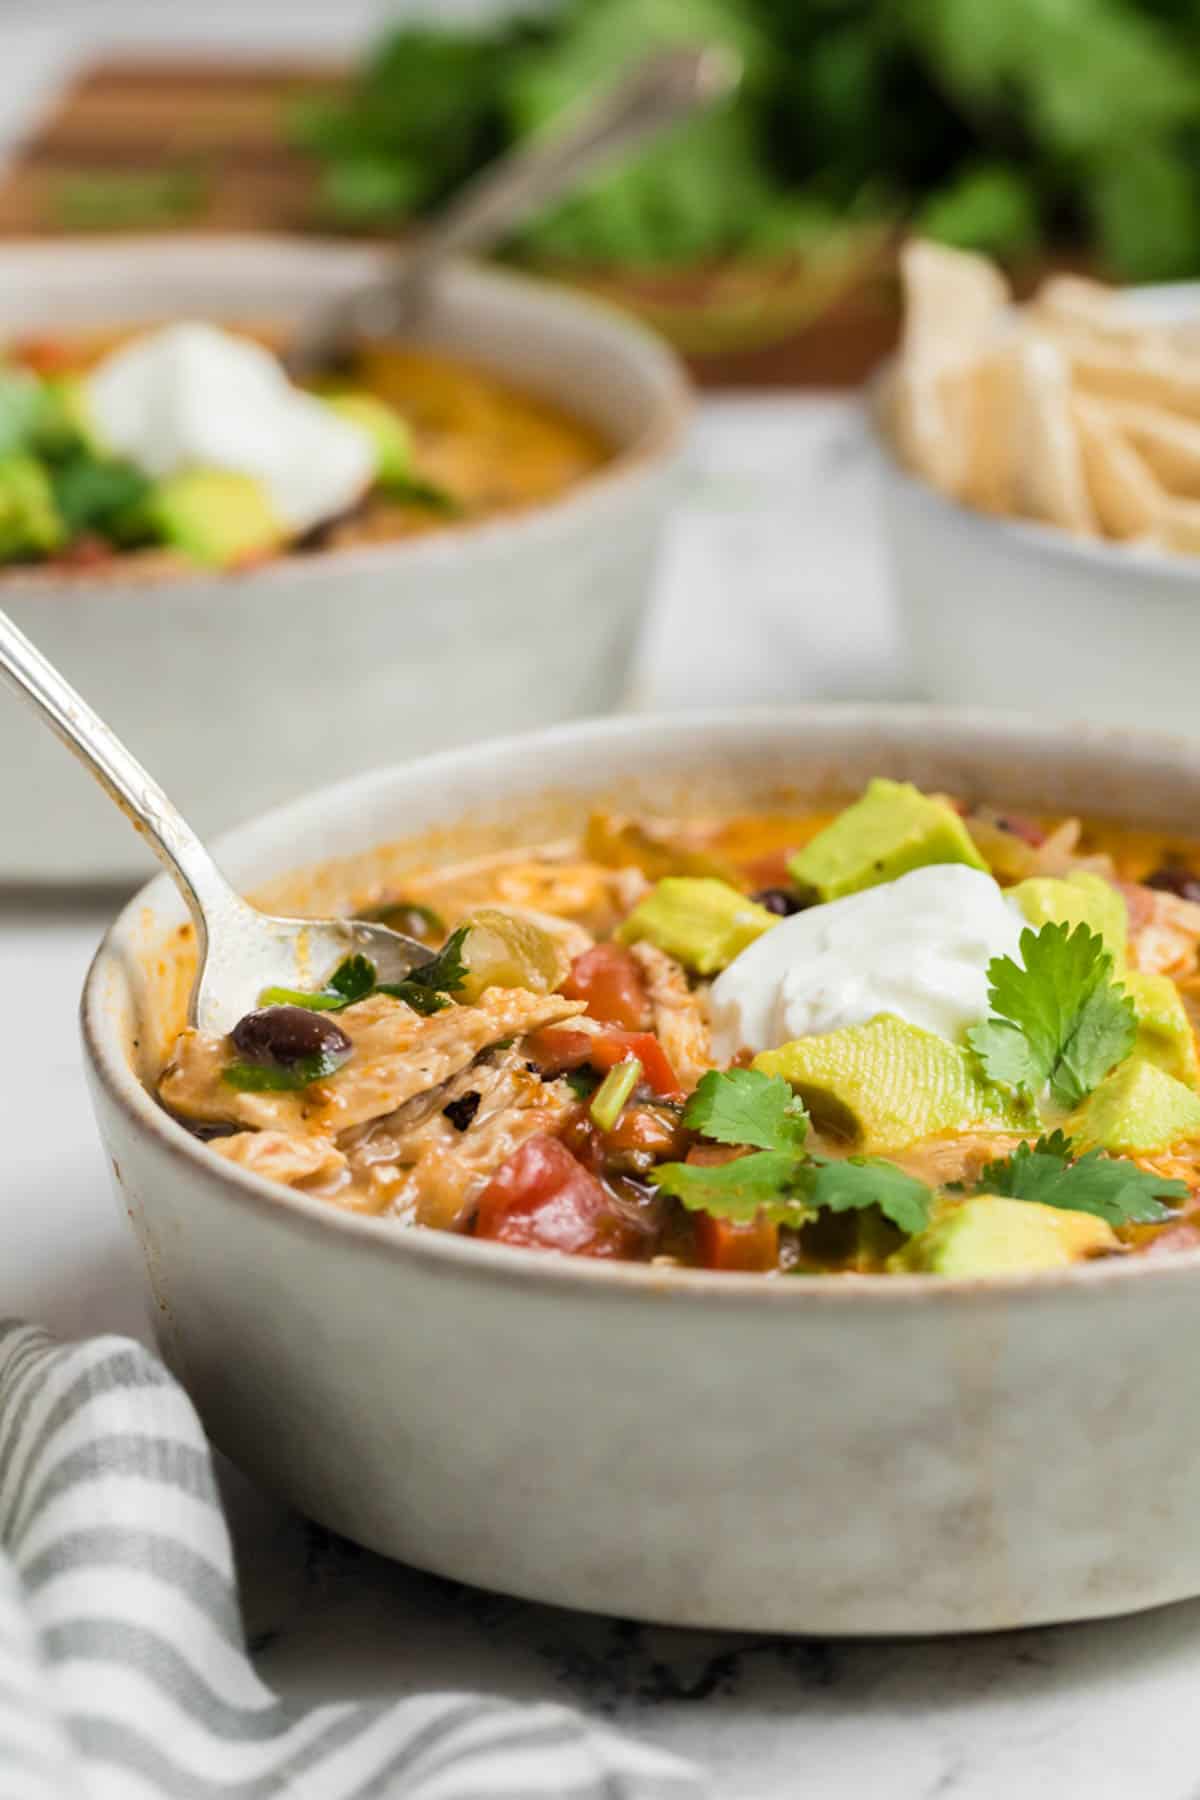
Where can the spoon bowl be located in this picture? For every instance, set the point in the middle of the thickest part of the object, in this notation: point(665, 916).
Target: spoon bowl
point(241, 950)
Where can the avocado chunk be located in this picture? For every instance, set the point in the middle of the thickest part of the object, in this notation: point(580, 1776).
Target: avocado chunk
point(30, 523)
point(988, 1235)
point(892, 829)
point(888, 1083)
point(1080, 898)
point(214, 515)
point(702, 922)
point(1138, 1107)
point(1165, 1034)
point(64, 423)
point(387, 431)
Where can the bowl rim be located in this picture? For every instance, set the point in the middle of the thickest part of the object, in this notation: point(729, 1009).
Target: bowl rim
point(1036, 537)
point(656, 447)
point(451, 1254)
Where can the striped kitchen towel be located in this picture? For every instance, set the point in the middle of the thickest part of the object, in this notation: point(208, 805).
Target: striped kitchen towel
point(123, 1668)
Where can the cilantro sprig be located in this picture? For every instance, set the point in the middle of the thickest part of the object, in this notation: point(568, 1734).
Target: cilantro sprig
point(744, 1106)
point(1053, 1173)
point(1060, 1021)
point(778, 1178)
point(426, 988)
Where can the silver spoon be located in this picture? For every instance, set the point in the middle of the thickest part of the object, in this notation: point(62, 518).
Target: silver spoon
point(665, 88)
point(241, 950)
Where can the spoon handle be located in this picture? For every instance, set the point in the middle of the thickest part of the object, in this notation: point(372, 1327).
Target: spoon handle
point(137, 794)
point(664, 88)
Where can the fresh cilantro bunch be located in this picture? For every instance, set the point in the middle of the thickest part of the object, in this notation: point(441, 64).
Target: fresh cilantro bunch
point(745, 1107)
point(426, 988)
point(1061, 1021)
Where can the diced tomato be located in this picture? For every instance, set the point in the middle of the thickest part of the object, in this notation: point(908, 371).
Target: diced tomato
point(544, 1200)
point(557, 1048)
point(607, 978)
point(46, 355)
point(722, 1245)
point(767, 871)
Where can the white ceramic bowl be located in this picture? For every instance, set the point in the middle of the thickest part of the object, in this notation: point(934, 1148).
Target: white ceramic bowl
point(900, 1454)
point(239, 690)
point(1008, 613)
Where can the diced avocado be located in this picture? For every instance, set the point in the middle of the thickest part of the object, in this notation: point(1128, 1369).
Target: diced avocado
point(888, 1083)
point(215, 515)
point(1165, 1034)
point(64, 423)
point(1138, 1107)
point(702, 922)
point(988, 1235)
point(30, 523)
point(1080, 898)
point(387, 431)
point(892, 829)
point(508, 949)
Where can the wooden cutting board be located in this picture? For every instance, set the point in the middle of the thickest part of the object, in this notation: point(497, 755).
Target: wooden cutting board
point(201, 145)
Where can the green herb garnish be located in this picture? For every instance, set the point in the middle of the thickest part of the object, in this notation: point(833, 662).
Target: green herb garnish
point(582, 1082)
point(266, 1078)
point(1061, 1020)
point(744, 1106)
point(1054, 1174)
point(768, 1181)
point(427, 989)
point(352, 980)
point(95, 495)
point(613, 1092)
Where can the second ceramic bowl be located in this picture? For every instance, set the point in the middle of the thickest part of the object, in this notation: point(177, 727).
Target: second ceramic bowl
point(239, 690)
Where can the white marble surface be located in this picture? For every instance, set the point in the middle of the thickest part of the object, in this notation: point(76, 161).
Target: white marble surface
point(772, 589)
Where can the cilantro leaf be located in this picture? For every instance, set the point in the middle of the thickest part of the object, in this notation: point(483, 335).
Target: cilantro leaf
point(739, 1190)
point(792, 1188)
point(260, 1078)
point(1110, 1187)
point(859, 1181)
point(1061, 1019)
point(744, 1106)
point(426, 988)
point(352, 980)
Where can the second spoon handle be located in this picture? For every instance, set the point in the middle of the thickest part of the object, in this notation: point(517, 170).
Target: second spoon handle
point(117, 770)
point(667, 86)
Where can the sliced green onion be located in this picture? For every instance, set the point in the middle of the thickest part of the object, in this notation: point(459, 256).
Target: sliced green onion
point(320, 1002)
point(613, 1092)
point(267, 1078)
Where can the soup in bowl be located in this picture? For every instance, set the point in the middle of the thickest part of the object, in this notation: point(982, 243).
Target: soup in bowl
point(364, 579)
point(529, 1308)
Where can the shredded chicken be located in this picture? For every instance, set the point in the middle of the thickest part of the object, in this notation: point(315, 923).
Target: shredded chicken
point(955, 1156)
point(277, 1156)
point(1164, 931)
point(438, 1169)
point(398, 1053)
point(679, 1014)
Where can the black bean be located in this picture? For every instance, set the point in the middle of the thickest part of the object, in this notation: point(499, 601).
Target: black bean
point(460, 1112)
point(1174, 879)
point(287, 1035)
point(783, 902)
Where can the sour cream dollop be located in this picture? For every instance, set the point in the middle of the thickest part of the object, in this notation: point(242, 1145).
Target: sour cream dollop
point(193, 396)
point(918, 947)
